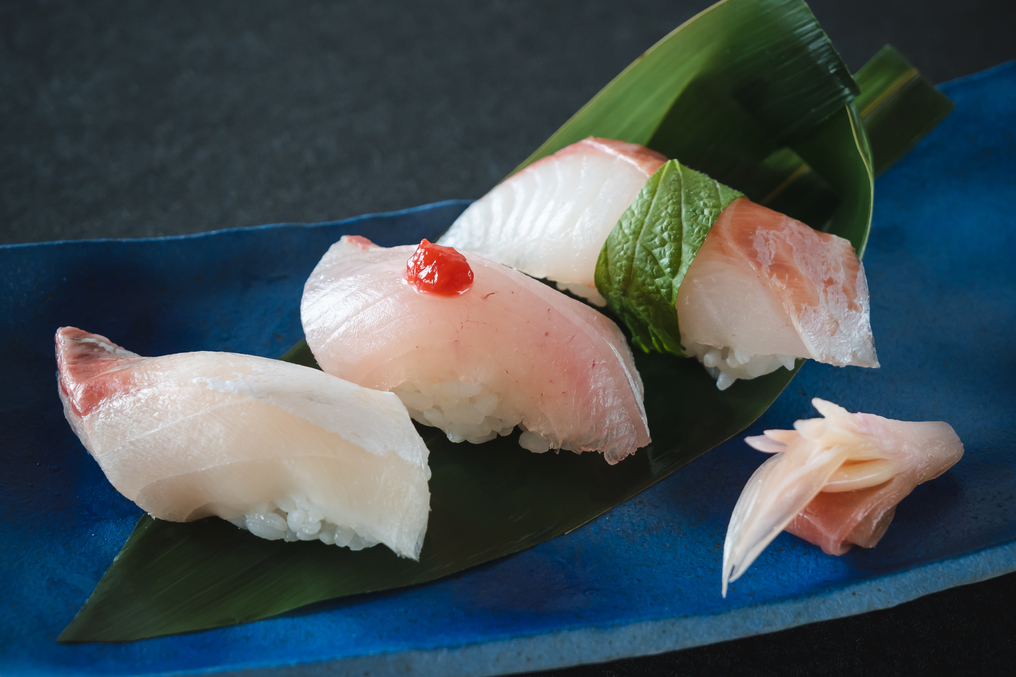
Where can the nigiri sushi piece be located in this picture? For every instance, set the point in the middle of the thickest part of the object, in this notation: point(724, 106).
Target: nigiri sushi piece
point(284, 451)
point(833, 481)
point(765, 289)
point(494, 350)
point(551, 219)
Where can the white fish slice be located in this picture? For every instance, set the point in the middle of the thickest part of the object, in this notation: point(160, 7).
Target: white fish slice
point(551, 219)
point(509, 351)
point(837, 486)
point(283, 450)
point(765, 289)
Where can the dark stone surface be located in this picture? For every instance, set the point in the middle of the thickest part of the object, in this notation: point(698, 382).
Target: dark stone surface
point(137, 119)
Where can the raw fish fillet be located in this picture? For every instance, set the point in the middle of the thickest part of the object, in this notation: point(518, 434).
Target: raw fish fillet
point(551, 219)
point(282, 450)
point(509, 351)
point(765, 289)
point(833, 481)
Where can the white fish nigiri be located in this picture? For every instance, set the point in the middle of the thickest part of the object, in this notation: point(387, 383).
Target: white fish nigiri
point(507, 351)
point(765, 289)
point(834, 481)
point(281, 450)
point(551, 219)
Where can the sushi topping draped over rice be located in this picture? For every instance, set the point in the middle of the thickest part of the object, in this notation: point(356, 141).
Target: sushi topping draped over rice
point(512, 352)
point(284, 451)
point(765, 289)
point(550, 220)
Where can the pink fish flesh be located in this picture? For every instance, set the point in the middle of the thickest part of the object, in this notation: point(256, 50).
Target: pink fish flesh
point(509, 351)
point(284, 451)
point(765, 289)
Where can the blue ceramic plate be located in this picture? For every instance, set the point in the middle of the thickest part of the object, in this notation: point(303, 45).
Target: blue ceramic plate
point(643, 578)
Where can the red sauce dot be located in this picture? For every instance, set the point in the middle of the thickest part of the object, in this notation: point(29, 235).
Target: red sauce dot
point(438, 270)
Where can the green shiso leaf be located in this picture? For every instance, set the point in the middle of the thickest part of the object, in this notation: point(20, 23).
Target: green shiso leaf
point(748, 92)
point(643, 262)
point(648, 252)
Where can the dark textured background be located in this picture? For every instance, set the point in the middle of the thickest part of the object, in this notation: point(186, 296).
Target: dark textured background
point(136, 119)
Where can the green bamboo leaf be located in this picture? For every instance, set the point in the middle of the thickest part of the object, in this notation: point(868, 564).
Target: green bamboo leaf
point(172, 578)
point(898, 106)
point(765, 63)
point(746, 76)
point(851, 175)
